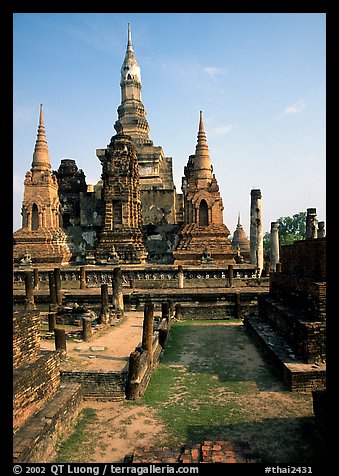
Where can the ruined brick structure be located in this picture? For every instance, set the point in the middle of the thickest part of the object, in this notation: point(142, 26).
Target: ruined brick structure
point(203, 220)
point(41, 235)
point(121, 231)
point(42, 409)
point(292, 317)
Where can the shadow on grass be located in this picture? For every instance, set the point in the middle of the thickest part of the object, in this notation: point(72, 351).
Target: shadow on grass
point(275, 440)
point(225, 351)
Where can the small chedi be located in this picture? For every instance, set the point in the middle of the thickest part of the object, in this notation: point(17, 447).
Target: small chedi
point(203, 208)
point(41, 235)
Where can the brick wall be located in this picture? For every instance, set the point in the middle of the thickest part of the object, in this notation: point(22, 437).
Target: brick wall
point(34, 383)
point(306, 258)
point(36, 441)
point(26, 328)
point(308, 339)
point(301, 293)
point(101, 385)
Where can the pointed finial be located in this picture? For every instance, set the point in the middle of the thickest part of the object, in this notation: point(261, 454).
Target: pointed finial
point(201, 123)
point(239, 219)
point(129, 38)
point(41, 116)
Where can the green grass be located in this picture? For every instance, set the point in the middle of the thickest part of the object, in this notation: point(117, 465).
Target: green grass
point(80, 443)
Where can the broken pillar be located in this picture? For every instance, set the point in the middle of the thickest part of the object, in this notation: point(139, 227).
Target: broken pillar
point(60, 341)
point(256, 232)
point(86, 329)
point(104, 311)
point(180, 277)
point(82, 277)
point(311, 224)
point(230, 275)
point(274, 242)
point(57, 278)
point(51, 321)
point(147, 329)
point(29, 292)
point(321, 229)
point(178, 312)
point(118, 296)
point(36, 278)
point(237, 306)
point(52, 289)
point(132, 387)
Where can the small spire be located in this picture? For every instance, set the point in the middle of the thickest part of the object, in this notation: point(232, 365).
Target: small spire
point(41, 159)
point(238, 220)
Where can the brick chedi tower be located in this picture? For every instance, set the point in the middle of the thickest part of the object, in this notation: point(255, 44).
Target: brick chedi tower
point(204, 233)
point(121, 232)
point(41, 235)
point(160, 202)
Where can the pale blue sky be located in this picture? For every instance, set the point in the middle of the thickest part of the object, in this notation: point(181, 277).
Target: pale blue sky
point(258, 78)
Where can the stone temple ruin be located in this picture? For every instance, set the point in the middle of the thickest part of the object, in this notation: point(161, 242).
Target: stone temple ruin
point(86, 255)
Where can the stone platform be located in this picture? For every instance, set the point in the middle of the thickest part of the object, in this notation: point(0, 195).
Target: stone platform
point(296, 374)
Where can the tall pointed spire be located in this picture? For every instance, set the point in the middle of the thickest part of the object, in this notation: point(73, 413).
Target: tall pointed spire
point(130, 69)
point(41, 159)
point(202, 160)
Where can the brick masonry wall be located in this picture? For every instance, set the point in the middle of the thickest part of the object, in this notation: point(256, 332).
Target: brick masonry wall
point(34, 383)
point(26, 330)
point(301, 293)
point(36, 441)
point(101, 385)
point(219, 310)
point(306, 258)
point(308, 339)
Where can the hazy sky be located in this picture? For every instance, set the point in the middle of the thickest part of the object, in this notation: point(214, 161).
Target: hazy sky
point(258, 78)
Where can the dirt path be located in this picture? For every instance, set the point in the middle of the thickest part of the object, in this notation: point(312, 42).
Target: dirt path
point(109, 350)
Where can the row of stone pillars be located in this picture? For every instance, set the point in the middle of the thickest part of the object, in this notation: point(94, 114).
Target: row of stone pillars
point(132, 389)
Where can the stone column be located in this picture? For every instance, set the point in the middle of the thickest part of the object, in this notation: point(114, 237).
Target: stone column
point(82, 277)
point(311, 224)
point(165, 311)
point(57, 278)
point(104, 311)
point(60, 341)
point(29, 298)
point(52, 290)
point(87, 329)
point(36, 278)
point(237, 306)
point(118, 296)
point(147, 330)
point(51, 321)
point(132, 387)
point(321, 229)
point(180, 277)
point(230, 275)
point(274, 241)
point(178, 312)
point(256, 232)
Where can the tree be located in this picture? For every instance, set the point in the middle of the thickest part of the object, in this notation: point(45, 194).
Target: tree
point(290, 229)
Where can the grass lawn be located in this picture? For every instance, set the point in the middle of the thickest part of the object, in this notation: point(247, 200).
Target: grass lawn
point(213, 383)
